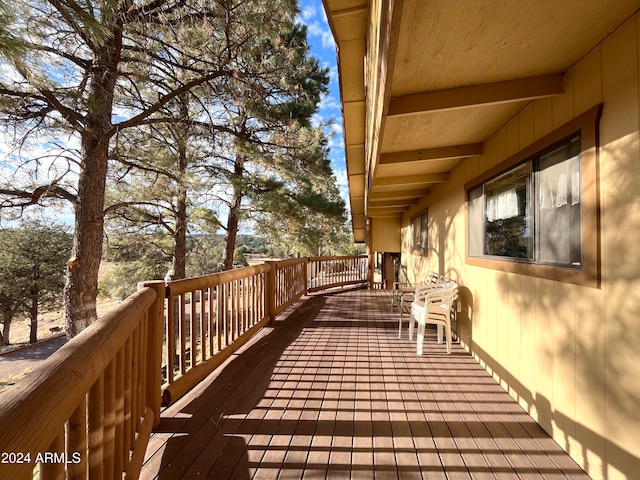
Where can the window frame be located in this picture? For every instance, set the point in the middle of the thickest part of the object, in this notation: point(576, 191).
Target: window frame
point(423, 247)
point(588, 274)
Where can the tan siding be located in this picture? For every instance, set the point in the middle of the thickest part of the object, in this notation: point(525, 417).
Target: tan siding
point(384, 236)
point(569, 354)
point(621, 249)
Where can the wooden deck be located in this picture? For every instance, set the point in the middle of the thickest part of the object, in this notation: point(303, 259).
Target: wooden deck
point(331, 392)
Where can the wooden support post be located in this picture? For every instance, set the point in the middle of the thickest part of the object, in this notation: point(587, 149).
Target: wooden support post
point(270, 292)
point(154, 348)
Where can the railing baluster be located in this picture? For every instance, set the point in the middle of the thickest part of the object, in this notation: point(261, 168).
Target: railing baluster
point(54, 470)
point(77, 442)
point(141, 367)
point(193, 329)
point(135, 368)
point(128, 395)
point(220, 316)
point(171, 337)
point(120, 458)
point(212, 320)
point(203, 325)
point(182, 322)
point(96, 428)
point(109, 431)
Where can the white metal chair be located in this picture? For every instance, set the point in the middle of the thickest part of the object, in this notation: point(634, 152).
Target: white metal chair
point(434, 306)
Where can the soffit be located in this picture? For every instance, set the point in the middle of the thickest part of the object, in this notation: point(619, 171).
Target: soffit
point(462, 69)
point(445, 44)
point(451, 56)
point(348, 22)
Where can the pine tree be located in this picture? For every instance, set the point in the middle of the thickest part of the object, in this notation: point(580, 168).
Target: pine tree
point(32, 261)
point(77, 74)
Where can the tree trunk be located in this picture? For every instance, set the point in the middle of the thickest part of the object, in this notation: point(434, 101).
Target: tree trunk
point(81, 288)
point(234, 215)
point(33, 314)
point(6, 328)
point(180, 233)
point(180, 239)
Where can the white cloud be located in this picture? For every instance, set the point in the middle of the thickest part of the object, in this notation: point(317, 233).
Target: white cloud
point(329, 102)
point(327, 39)
point(323, 32)
point(307, 12)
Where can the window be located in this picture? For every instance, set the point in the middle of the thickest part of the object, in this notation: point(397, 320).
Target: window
point(537, 213)
point(532, 212)
point(419, 234)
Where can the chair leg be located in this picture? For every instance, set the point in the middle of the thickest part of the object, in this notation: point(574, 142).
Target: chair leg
point(411, 326)
point(420, 338)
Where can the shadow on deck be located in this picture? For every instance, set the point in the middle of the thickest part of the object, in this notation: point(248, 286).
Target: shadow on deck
point(331, 392)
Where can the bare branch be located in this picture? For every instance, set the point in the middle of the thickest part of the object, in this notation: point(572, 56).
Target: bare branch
point(33, 197)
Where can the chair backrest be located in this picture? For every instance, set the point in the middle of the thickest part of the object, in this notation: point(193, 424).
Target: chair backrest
point(442, 297)
point(431, 277)
point(403, 276)
point(423, 289)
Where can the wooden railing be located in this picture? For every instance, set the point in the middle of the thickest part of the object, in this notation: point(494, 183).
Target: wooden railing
point(289, 281)
point(330, 272)
point(88, 410)
point(208, 319)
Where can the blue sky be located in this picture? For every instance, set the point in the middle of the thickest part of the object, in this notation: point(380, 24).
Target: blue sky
point(323, 47)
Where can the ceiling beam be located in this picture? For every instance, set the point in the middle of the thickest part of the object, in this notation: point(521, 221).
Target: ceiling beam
point(500, 92)
point(442, 153)
point(349, 11)
point(411, 179)
point(392, 203)
point(385, 215)
point(386, 209)
point(400, 194)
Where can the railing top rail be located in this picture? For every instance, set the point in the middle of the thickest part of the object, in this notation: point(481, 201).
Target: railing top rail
point(342, 257)
point(289, 261)
point(178, 287)
point(32, 413)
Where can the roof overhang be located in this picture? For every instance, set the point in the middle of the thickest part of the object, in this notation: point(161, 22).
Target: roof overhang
point(425, 83)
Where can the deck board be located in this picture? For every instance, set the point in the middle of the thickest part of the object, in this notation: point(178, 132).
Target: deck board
point(331, 392)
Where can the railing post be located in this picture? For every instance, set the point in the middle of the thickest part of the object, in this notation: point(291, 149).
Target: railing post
point(154, 349)
point(306, 275)
point(270, 291)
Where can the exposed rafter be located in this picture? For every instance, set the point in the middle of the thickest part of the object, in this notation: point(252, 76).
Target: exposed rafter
point(411, 180)
point(349, 11)
point(457, 151)
point(400, 194)
point(385, 214)
point(500, 92)
point(392, 203)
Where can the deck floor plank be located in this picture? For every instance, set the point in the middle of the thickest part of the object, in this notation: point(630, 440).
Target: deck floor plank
point(330, 392)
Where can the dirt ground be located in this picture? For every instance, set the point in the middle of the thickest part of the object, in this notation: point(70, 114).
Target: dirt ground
point(50, 324)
